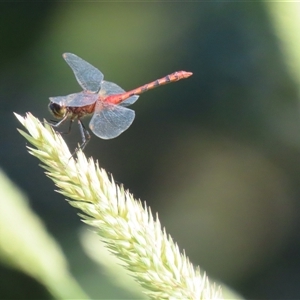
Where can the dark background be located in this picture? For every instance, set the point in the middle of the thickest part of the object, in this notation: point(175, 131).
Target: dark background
point(216, 155)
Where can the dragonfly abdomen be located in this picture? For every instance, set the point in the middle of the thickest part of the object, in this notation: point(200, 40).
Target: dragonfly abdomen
point(116, 99)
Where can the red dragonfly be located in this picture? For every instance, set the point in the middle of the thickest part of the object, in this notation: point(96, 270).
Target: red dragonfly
point(106, 100)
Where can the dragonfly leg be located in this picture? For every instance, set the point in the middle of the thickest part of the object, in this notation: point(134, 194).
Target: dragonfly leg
point(57, 124)
point(70, 126)
point(85, 135)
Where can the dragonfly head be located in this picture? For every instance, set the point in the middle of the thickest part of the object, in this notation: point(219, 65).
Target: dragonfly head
point(57, 110)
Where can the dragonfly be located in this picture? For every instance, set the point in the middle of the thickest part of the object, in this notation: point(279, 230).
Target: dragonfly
point(104, 99)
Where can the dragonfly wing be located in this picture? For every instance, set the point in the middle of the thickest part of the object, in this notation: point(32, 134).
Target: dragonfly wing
point(110, 88)
point(109, 121)
point(75, 100)
point(129, 100)
point(87, 75)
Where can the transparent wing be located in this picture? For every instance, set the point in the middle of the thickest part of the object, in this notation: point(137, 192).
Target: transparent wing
point(109, 121)
point(129, 101)
point(110, 88)
point(87, 75)
point(75, 100)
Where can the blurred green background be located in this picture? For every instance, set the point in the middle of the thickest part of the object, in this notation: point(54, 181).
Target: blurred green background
point(216, 155)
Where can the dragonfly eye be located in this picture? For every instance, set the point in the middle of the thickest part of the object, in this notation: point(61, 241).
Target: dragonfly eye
point(57, 110)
